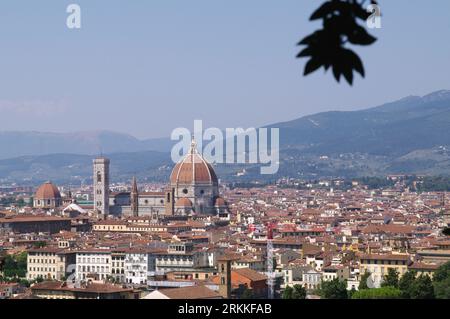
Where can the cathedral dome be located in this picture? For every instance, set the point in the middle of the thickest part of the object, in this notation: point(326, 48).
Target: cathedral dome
point(47, 191)
point(220, 202)
point(192, 169)
point(183, 202)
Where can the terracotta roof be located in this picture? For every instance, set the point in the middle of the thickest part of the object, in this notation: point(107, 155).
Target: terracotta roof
point(193, 168)
point(47, 191)
point(25, 219)
point(183, 202)
point(195, 292)
point(384, 257)
point(250, 274)
point(93, 287)
point(423, 266)
point(220, 202)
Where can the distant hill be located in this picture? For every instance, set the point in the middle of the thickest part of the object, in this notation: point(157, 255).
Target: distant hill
point(14, 144)
point(65, 168)
point(393, 129)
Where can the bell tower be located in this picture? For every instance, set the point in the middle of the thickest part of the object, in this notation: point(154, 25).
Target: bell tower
point(101, 185)
point(224, 269)
point(169, 202)
point(134, 199)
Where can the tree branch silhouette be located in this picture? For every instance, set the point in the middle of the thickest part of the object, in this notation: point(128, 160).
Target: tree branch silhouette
point(328, 47)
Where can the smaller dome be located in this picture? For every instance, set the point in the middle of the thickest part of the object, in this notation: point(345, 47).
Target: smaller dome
point(220, 202)
point(183, 202)
point(47, 191)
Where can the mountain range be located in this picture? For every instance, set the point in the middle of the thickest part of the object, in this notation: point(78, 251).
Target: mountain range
point(411, 135)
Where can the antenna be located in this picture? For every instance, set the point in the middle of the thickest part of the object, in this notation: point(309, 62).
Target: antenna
point(270, 273)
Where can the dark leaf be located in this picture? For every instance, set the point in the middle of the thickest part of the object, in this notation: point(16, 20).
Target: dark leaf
point(360, 12)
point(357, 63)
point(325, 9)
point(312, 65)
point(347, 71)
point(337, 72)
point(311, 38)
point(305, 52)
point(360, 36)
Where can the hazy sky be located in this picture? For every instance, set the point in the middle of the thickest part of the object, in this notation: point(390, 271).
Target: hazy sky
point(145, 67)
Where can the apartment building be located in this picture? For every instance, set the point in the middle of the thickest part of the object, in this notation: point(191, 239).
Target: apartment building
point(379, 264)
point(138, 265)
point(50, 263)
point(118, 266)
point(94, 263)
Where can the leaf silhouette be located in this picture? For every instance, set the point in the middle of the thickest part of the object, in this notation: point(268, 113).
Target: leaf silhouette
point(327, 47)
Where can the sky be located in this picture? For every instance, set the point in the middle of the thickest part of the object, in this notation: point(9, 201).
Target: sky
point(145, 67)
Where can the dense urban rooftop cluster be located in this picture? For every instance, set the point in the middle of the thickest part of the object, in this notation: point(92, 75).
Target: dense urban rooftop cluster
point(286, 239)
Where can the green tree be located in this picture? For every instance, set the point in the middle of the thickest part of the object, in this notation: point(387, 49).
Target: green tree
point(288, 292)
point(343, 25)
point(31, 202)
point(391, 279)
point(21, 202)
point(363, 281)
point(299, 292)
point(441, 281)
point(334, 289)
point(422, 288)
point(15, 266)
point(40, 244)
point(406, 282)
point(378, 293)
point(247, 294)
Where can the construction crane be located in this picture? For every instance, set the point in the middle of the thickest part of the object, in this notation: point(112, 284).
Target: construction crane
point(270, 273)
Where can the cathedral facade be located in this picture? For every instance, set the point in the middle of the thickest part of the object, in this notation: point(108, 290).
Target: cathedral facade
point(193, 189)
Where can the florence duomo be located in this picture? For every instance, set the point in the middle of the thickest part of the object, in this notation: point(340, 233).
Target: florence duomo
point(193, 190)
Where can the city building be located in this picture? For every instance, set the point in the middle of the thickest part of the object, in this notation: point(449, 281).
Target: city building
point(378, 265)
point(61, 290)
point(193, 189)
point(93, 263)
point(23, 224)
point(49, 263)
point(47, 197)
point(101, 185)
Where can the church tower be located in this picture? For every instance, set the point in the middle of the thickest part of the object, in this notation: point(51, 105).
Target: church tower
point(224, 268)
point(134, 199)
point(101, 185)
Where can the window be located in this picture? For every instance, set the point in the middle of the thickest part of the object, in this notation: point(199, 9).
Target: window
point(185, 191)
point(99, 177)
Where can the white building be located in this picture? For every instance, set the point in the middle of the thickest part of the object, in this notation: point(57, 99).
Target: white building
point(138, 264)
point(312, 279)
point(93, 263)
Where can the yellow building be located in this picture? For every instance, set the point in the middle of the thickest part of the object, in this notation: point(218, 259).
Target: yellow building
point(49, 263)
point(379, 264)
